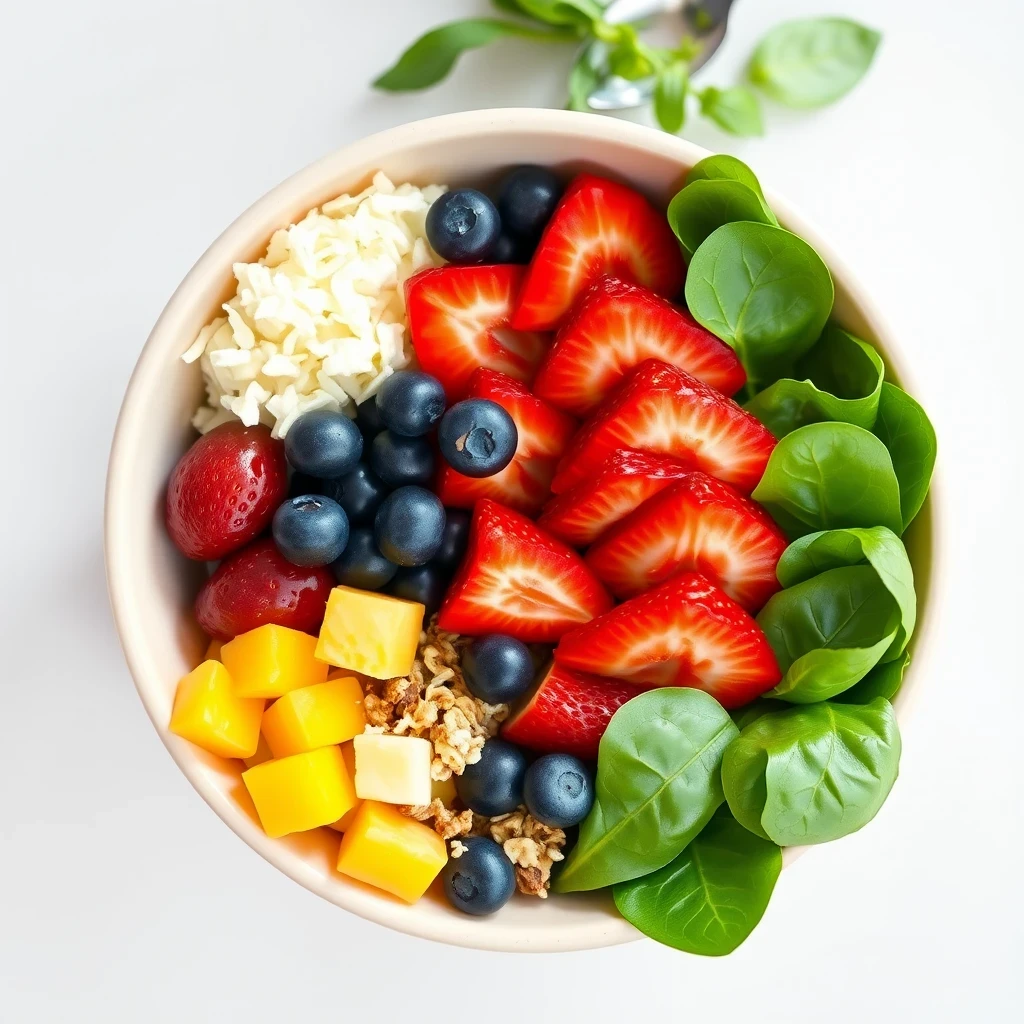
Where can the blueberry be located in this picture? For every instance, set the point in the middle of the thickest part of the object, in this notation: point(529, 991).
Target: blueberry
point(311, 529)
point(481, 880)
point(361, 565)
point(401, 460)
point(509, 249)
point(410, 402)
point(409, 526)
point(455, 539)
point(423, 583)
point(527, 198)
point(558, 790)
point(477, 437)
point(323, 444)
point(368, 419)
point(498, 669)
point(494, 785)
point(463, 226)
point(359, 493)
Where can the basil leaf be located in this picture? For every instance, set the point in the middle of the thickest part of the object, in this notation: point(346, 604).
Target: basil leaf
point(880, 548)
point(433, 55)
point(762, 290)
point(670, 96)
point(711, 897)
point(734, 110)
point(829, 476)
point(842, 381)
point(702, 206)
point(580, 13)
point(904, 428)
point(813, 61)
point(657, 785)
point(883, 680)
point(583, 80)
point(722, 167)
point(813, 774)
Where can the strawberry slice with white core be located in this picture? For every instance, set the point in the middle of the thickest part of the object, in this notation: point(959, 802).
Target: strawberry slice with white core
point(623, 482)
point(459, 320)
point(614, 327)
point(660, 408)
point(686, 632)
point(567, 712)
point(600, 227)
point(518, 580)
point(544, 433)
point(697, 523)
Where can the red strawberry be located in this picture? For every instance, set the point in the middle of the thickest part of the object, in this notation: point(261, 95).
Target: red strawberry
point(623, 482)
point(684, 633)
point(225, 490)
point(615, 326)
point(257, 586)
point(459, 320)
point(660, 408)
point(567, 712)
point(698, 523)
point(518, 580)
point(525, 483)
point(600, 227)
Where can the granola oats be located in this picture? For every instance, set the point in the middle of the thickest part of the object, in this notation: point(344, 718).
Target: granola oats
point(533, 847)
point(447, 823)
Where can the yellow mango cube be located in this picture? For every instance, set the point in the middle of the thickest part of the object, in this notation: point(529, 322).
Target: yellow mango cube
point(304, 791)
point(210, 713)
point(348, 752)
point(213, 650)
point(270, 660)
point(315, 716)
point(393, 769)
point(391, 851)
point(263, 753)
point(370, 633)
point(443, 790)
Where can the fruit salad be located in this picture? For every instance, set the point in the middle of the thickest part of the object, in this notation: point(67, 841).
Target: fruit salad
point(555, 544)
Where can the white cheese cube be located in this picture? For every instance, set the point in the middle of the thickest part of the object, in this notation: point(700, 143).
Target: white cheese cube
point(393, 769)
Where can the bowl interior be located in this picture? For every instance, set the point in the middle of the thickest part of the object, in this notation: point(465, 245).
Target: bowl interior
point(152, 587)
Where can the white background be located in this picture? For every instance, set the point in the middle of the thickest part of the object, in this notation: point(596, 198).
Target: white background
point(132, 133)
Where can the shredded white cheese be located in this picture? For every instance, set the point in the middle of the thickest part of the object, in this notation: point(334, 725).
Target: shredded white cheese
point(319, 322)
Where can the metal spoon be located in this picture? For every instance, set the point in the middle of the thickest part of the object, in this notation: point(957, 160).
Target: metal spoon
point(704, 21)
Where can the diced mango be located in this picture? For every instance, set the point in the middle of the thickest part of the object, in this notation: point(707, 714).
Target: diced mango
point(443, 790)
point(315, 716)
point(348, 751)
point(385, 848)
point(213, 650)
point(272, 660)
point(208, 712)
point(370, 633)
point(393, 769)
point(297, 793)
point(263, 753)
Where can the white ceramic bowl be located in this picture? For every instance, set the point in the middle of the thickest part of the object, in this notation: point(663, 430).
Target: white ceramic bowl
point(152, 586)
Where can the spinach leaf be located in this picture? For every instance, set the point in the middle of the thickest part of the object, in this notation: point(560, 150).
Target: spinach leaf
point(812, 774)
point(842, 381)
point(753, 711)
point(735, 110)
point(883, 680)
point(711, 897)
point(703, 206)
point(828, 476)
point(811, 62)
point(722, 167)
point(904, 428)
point(829, 632)
point(580, 13)
point(762, 290)
point(658, 783)
point(670, 96)
point(879, 547)
point(433, 55)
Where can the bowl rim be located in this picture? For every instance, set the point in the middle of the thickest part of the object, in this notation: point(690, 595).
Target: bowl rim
point(589, 934)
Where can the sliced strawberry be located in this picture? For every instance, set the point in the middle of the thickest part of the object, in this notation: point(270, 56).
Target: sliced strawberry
point(623, 482)
point(660, 408)
point(567, 712)
point(544, 433)
point(459, 320)
point(518, 580)
point(697, 523)
point(600, 227)
point(684, 633)
point(615, 326)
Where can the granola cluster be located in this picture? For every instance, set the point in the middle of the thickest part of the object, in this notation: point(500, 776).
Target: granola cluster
point(533, 847)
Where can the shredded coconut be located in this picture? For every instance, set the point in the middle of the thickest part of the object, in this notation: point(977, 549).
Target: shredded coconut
point(319, 322)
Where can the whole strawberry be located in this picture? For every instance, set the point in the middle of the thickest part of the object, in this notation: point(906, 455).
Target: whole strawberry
point(224, 490)
point(257, 586)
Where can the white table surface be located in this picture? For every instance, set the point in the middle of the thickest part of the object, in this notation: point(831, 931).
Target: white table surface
point(132, 133)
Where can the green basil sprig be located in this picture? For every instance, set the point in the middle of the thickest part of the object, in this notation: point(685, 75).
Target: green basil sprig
point(905, 430)
point(658, 783)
